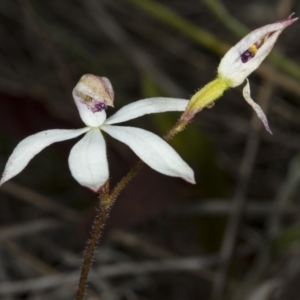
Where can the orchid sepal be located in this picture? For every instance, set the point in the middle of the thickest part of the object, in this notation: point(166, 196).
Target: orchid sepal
point(246, 56)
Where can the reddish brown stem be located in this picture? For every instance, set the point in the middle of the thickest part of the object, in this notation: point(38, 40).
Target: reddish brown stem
point(100, 219)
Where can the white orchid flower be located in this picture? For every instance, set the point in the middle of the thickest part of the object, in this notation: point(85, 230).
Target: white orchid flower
point(88, 158)
point(246, 56)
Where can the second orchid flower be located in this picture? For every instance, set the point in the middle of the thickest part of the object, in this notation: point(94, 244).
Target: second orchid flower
point(236, 65)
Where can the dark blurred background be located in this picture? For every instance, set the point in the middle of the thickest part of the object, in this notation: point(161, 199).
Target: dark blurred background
point(235, 235)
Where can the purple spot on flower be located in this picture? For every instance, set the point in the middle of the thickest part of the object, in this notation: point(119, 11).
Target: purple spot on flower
point(99, 106)
point(246, 56)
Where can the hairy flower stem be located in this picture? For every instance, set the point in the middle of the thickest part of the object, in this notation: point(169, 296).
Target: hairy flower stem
point(177, 128)
point(203, 98)
point(99, 222)
point(106, 201)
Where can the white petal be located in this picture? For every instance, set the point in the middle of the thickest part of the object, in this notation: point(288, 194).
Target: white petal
point(147, 106)
point(231, 65)
point(255, 106)
point(259, 33)
point(153, 150)
point(32, 145)
point(88, 161)
point(233, 68)
point(89, 118)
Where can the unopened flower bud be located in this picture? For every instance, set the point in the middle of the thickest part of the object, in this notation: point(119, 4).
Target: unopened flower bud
point(95, 92)
point(236, 65)
point(246, 56)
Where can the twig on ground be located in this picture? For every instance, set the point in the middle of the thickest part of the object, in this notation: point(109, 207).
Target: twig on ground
point(28, 228)
point(256, 209)
point(38, 200)
point(48, 43)
point(122, 269)
point(143, 61)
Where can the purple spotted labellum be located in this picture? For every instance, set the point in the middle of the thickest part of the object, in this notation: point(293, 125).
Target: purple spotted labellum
point(250, 53)
point(95, 92)
point(99, 107)
point(247, 55)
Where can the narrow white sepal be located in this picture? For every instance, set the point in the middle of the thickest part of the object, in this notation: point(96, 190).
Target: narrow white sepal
point(88, 117)
point(153, 150)
point(255, 106)
point(32, 145)
point(147, 106)
point(88, 161)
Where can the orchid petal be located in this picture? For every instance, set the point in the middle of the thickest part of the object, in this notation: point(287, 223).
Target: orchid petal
point(236, 70)
point(233, 68)
point(257, 34)
point(32, 145)
point(147, 106)
point(95, 90)
point(153, 150)
point(89, 118)
point(88, 161)
point(255, 106)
